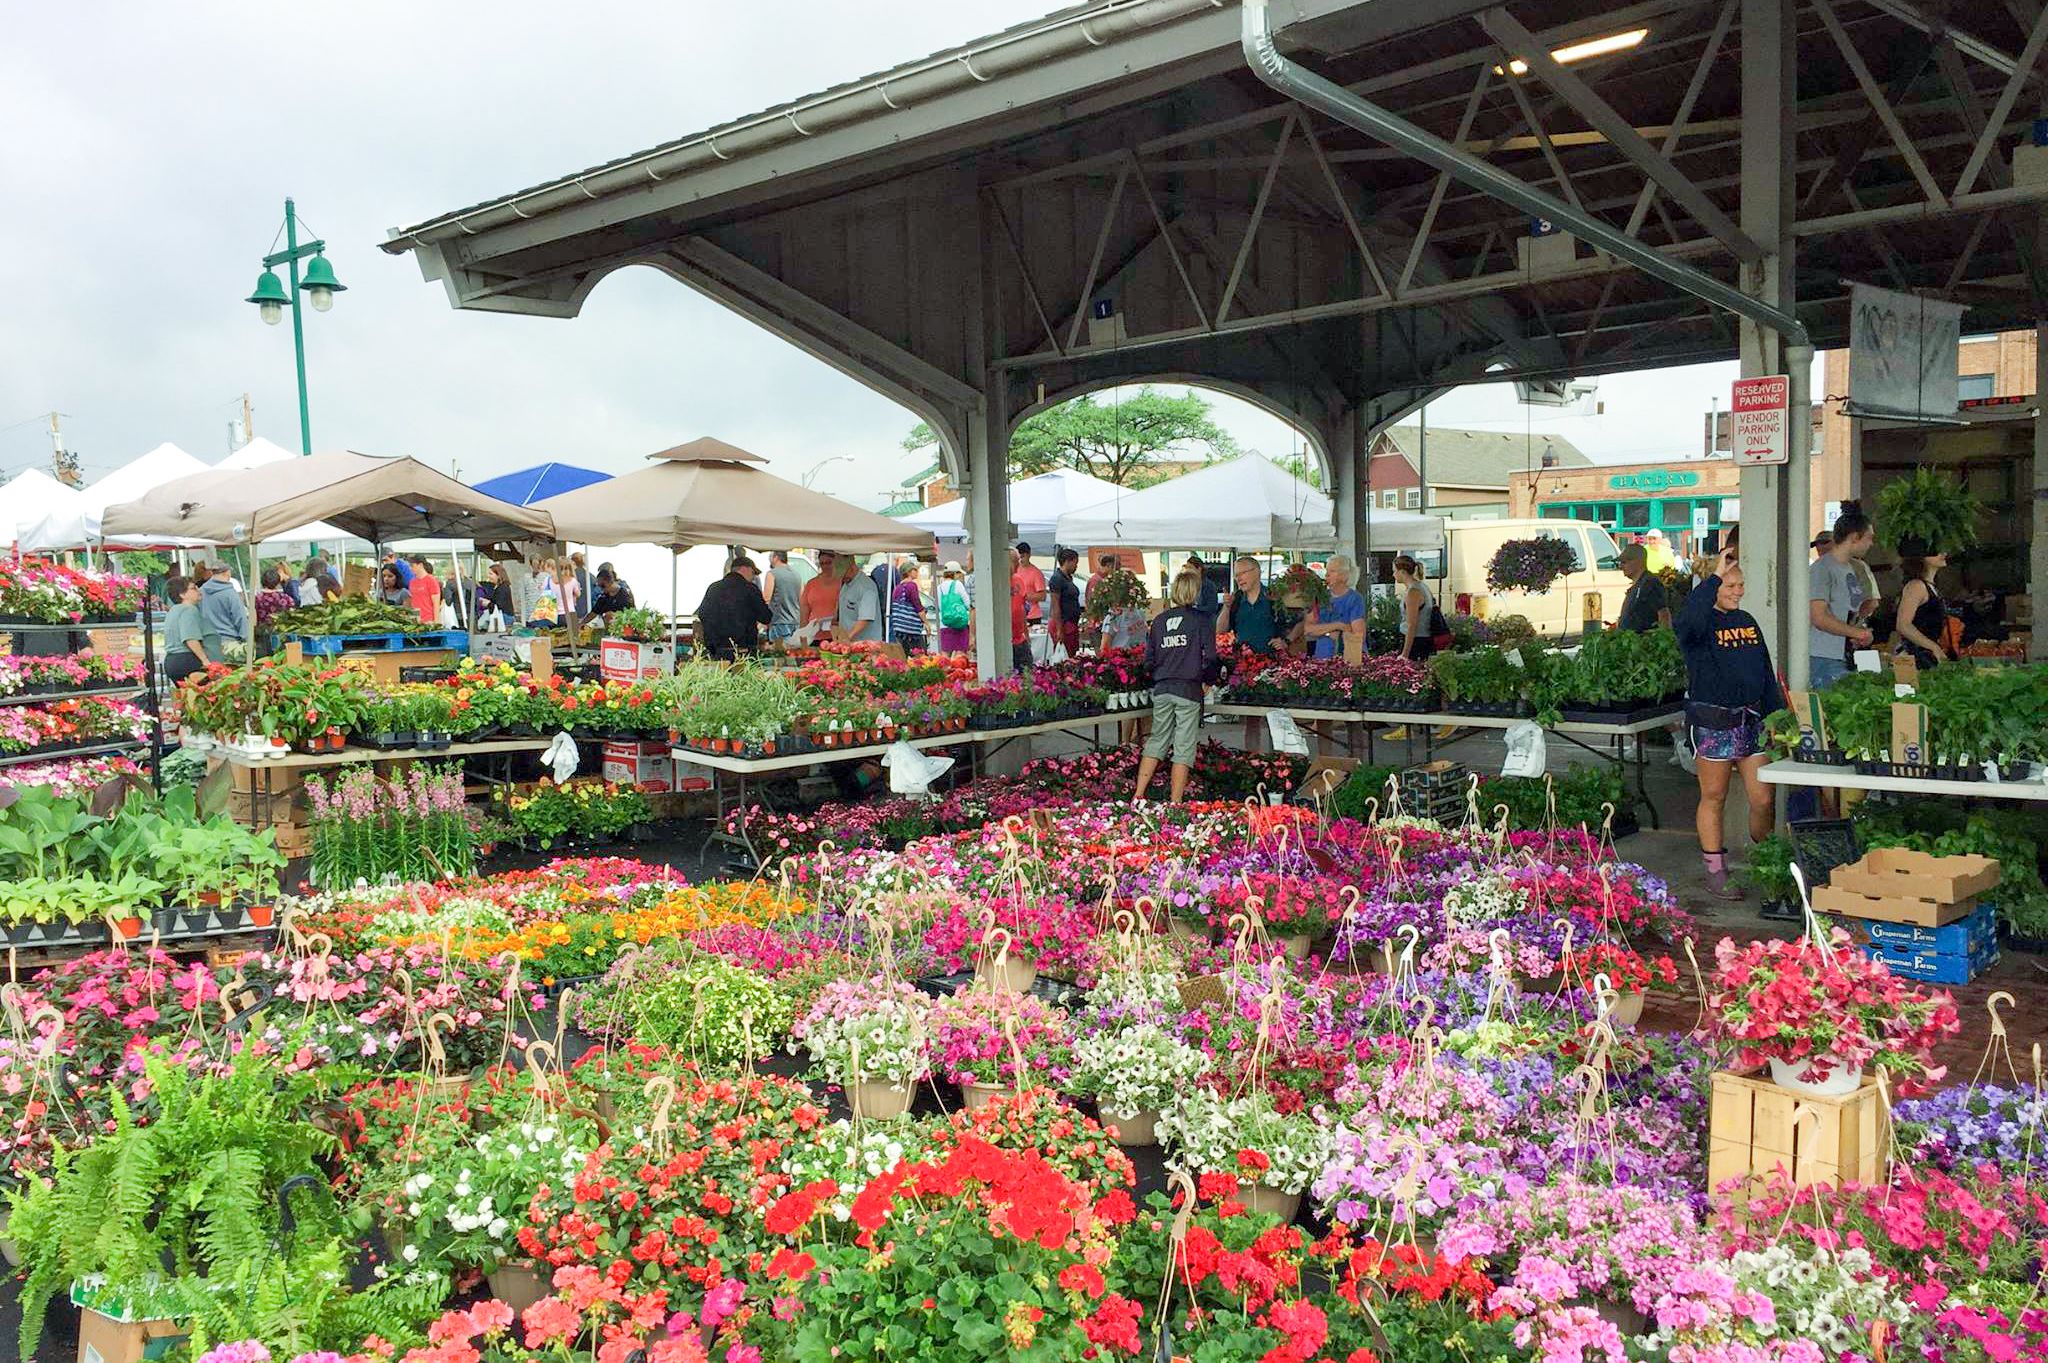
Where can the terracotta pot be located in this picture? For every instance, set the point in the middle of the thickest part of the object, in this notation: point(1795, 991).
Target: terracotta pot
point(518, 1284)
point(975, 1097)
point(128, 928)
point(878, 1101)
point(260, 915)
point(1628, 1009)
point(1019, 973)
point(1296, 945)
point(1260, 1198)
point(768, 747)
point(1133, 1128)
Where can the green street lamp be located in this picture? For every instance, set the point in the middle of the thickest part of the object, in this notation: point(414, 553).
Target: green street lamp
point(272, 297)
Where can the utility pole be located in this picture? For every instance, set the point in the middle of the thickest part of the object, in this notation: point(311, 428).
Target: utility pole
point(63, 462)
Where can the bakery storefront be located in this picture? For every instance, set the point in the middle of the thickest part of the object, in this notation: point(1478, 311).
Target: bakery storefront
point(1688, 500)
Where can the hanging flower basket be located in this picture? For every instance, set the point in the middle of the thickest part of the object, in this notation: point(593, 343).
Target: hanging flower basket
point(1530, 565)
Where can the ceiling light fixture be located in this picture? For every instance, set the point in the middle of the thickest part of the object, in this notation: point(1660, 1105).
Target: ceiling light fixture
point(1578, 52)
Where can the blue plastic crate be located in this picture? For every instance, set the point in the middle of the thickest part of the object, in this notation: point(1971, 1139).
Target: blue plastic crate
point(1960, 938)
point(1934, 967)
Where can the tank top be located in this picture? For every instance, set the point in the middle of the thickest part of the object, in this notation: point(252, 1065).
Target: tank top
point(1931, 619)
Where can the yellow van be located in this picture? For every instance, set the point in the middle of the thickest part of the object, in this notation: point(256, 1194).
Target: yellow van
point(1593, 591)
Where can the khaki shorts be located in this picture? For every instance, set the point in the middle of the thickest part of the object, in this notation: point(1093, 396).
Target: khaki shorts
point(1176, 727)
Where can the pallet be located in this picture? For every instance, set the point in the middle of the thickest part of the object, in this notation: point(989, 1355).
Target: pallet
point(1752, 1135)
point(333, 645)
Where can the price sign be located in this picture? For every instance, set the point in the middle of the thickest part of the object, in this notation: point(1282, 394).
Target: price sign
point(1761, 413)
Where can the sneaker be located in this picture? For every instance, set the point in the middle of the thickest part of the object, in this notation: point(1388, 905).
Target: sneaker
point(1719, 888)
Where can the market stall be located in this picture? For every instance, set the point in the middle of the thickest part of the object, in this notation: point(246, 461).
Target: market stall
point(1036, 505)
point(80, 522)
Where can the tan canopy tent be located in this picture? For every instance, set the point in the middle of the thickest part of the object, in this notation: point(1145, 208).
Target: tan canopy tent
point(373, 498)
point(708, 492)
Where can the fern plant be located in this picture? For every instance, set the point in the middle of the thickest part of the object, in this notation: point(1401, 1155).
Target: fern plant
point(191, 1194)
point(1935, 508)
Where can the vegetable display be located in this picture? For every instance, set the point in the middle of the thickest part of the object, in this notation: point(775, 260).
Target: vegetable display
point(349, 615)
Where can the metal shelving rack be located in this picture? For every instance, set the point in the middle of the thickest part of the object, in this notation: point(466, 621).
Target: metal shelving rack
point(146, 618)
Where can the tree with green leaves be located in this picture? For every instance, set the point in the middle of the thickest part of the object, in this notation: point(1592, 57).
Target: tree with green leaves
point(1122, 441)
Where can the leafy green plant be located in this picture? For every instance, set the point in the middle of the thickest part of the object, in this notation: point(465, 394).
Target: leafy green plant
point(1932, 506)
point(1619, 667)
point(1483, 676)
point(348, 615)
point(1769, 869)
point(192, 1194)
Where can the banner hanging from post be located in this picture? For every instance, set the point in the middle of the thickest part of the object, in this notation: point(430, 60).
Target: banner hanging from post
point(1760, 419)
point(1902, 353)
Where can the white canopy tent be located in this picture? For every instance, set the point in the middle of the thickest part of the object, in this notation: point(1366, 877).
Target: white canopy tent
point(31, 496)
point(1036, 505)
point(1244, 503)
point(78, 525)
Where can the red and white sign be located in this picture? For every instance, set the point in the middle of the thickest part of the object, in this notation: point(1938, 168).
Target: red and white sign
point(1760, 417)
point(630, 660)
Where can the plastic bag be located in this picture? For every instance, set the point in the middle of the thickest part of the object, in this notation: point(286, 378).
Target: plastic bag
point(560, 758)
point(912, 772)
point(1286, 734)
point(1526, 753)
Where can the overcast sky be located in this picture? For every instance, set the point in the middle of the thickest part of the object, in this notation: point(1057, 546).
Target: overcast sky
point(149, 149)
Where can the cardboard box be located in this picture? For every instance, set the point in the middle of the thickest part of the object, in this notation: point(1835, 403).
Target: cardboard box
point(1752, 1134)
point(1935, 967)
point(103, 1339)
point(1325, 776)
point(1972, 933)
point(632, 660)
point(1902, 873)
point(646, 765)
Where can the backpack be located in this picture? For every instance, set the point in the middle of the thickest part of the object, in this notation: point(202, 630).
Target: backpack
point(952, 606)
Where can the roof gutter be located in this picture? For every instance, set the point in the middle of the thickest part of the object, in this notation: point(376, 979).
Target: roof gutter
point(1305, 87)
point(908, 86)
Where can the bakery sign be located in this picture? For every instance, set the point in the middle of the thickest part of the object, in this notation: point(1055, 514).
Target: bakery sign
point(1652, 480)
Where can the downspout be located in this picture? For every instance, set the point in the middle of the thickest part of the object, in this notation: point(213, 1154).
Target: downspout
point(1307, 88)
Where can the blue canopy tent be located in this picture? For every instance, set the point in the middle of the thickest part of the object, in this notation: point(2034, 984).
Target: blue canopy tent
point(538, 483)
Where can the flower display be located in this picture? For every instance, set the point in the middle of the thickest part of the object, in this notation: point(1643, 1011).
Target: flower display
point(42, 591)
point(1530, 565)
point(990, 1036)
point(1247, 1139)
point(1136, 1069)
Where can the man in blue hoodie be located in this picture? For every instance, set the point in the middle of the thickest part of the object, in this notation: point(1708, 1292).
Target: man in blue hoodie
point(222, 616)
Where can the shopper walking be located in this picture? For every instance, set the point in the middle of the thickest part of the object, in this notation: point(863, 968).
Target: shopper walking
point(956, 615)
point(221, 612)
point(1423, 628)
point(1923, 618)
point(860, 606)
point(1730, 687)
point(425, 591)
point(1182, 652)
point(494, 599)
point(1063, 601)
point(1836, 604)
point(783, 590)
point(906, 611)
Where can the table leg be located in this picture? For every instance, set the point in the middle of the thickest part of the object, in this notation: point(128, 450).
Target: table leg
point(1643, 785)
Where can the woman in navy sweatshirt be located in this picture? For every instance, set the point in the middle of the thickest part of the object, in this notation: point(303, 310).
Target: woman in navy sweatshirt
point(1182, 653)
point(1730, 687)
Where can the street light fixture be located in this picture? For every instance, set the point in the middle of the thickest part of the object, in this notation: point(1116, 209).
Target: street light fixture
point(272, 298)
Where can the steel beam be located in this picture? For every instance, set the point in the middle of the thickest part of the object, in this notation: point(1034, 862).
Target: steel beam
point(1505, 29)
point(1332, 100)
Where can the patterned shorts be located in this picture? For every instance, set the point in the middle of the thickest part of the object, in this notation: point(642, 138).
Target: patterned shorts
point(1728, 745)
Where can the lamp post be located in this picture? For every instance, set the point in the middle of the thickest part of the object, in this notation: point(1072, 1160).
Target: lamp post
point(272, 298)
point(811, 474)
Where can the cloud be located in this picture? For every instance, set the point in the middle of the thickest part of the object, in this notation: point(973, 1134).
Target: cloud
point(151, 148)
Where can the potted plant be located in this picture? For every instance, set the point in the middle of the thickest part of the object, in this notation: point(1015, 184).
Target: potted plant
point(1133, 1074)
point(1274, 1156)
point(1530, 565)
point(1302, 587)
point(1629, 974)
point(873, 1037)
point(1819, 1013)
point(979, 1035)
point(1930, 506)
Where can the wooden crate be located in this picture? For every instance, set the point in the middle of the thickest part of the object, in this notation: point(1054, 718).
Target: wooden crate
point(294, 840)
point(1753, 1134)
